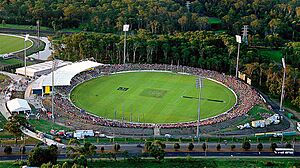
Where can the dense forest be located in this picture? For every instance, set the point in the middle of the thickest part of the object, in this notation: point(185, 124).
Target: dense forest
point(199, 49)
point(176, 32)
point(157, 16)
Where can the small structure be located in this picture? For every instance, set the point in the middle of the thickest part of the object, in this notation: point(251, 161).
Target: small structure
point(258, 123)
point(156, 131)
point(274, 119)
point(18, 106)
point(247, 125)
point(80, 134)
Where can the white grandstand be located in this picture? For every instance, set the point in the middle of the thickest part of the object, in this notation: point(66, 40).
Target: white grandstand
point(62, 76)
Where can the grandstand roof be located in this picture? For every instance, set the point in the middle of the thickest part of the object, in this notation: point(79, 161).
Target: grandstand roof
point(40, 69)
point(63, 76)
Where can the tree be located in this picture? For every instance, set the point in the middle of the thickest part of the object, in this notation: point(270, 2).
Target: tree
point(65, 165)
point(46, 165)
point(7, 150)
point(204, 146)
point(87, 150)
point(157, 152)
point(116, 147)
point(23, 149)
point(183, 22)
point(81, 160)
point(73, 141)
point(102, 149)
point(39, 156)
point(148, 145)
point(276, 25)
point(155, 149)
point(191, 146)
point(232, 147)
point(260, 146)
point(176, 146)
point(273, 146)
point(14, 125)
point(92, 151)
point(218, 147)
point(288, 145)
point(246, 145)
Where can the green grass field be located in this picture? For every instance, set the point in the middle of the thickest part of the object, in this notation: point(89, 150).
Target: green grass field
point(213, 20)
point(23, 27)
point(10, 44)
point(156, 97)
point(275, 55)
point(46, 126)
point(11, 61)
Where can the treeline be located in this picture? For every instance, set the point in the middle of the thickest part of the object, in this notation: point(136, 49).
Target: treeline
point(202, 49)
point(158, 16)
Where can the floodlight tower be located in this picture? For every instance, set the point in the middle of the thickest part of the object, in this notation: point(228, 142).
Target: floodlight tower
point(54, 64)
point(38, 35)
point(282, 88)
point(239, 41)
point(199, 85)
point(125, 29)
point(25, 58)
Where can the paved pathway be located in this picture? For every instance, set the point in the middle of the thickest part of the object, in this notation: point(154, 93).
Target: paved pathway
point(7, 114)
point(12, 76)
point(275, 108)
point(43, 55)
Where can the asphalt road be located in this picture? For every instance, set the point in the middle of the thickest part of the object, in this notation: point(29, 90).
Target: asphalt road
point(133, 150)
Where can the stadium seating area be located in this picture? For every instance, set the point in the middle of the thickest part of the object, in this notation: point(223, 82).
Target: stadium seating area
point(247, 97)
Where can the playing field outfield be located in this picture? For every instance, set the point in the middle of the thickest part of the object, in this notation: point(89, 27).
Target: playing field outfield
point(10, 44)
point(151, 97)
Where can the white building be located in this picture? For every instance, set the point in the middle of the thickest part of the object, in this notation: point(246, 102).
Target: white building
point(37, 70)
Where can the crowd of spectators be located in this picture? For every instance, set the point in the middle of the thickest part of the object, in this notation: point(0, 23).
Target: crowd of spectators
point(8, 87)
point(247, 97)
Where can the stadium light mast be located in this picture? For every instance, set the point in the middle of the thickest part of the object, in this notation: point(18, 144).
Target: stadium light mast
point(239, 41)
point(282, 87)
point(25, 59)
point(199, 85)
point(53, 92)
point(125, 29)
point(38, 35)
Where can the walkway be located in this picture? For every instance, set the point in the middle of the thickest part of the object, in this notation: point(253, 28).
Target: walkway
point(275, 108)
point(43, 55)
point(12, 76)
point(7, 114)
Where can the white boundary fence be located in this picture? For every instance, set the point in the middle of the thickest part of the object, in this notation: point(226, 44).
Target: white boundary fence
point(12, 35)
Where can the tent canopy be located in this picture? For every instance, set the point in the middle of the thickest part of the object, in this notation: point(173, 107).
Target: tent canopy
point(17, 105)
